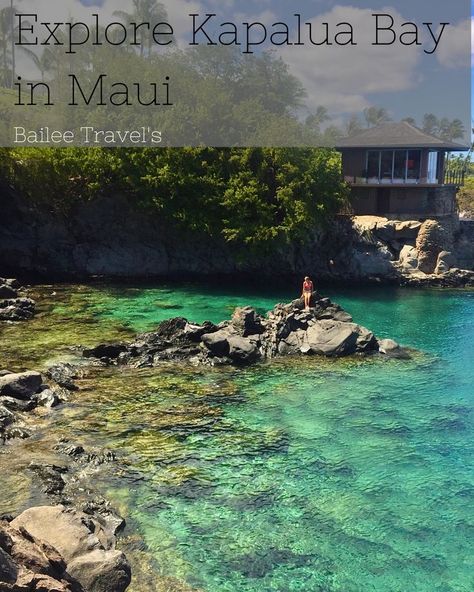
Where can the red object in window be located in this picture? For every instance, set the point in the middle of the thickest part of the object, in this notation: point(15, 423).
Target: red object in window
point(411, 164)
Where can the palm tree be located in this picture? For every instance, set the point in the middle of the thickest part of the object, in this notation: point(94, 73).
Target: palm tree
point(44, 62)
point(353, 126)
point(7, 45)
point(376, 116)
point(146, 11)
point(451, 129)
point(431, 124)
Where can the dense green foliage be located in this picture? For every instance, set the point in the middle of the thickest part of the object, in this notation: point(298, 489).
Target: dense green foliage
point(466, 197)
point(249, 196)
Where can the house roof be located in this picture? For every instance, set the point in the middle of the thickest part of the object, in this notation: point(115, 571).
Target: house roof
point(398, 135)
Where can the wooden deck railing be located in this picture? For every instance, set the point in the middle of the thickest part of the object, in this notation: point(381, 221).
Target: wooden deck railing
point(455, 177)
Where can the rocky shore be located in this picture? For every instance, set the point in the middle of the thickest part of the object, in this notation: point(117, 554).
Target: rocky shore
point(325, 329)
point(70, 546)
point(13, 305)
point(428, 253)
point(59, 549)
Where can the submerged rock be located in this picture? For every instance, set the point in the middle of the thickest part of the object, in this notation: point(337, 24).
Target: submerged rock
point(325, 329)
point(64, 375)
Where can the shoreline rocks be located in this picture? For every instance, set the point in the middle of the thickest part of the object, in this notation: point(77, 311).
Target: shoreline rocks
point(428, 253)
point(14, 307)
point(57, 549)
point(22, 392)
point(326, 329)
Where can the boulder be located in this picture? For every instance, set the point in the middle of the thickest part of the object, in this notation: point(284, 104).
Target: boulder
point(247, 322)
point(8, 568)
point(28, 564)
point(21, 385)
point(16, 433)
point(385, 230)
point(446, 261)
point(242, 350)
point(433, 238)
point(12, 282)
point(372, 262)
point(366, 341)
point(51, 477)
point(195, 332)
point(218, 342)
point(101, 571)
point(18, 404)
point(332, 338)
point(392, 349)
point(86, 548)
point(408, 258)
point(51, 397)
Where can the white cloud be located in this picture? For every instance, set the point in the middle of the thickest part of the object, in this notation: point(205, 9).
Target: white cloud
point(455, 49)
point(340, 77)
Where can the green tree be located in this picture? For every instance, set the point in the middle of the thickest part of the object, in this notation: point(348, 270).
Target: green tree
point(376, 116)
point(430, 124)
point(353, 126)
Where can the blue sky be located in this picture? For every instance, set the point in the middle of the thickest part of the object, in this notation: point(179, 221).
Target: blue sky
point(414, 101)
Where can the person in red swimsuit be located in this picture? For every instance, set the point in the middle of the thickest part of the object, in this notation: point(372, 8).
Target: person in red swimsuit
point(308, 290)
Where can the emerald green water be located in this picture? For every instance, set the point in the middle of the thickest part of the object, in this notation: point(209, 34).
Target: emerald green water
point(295, 476)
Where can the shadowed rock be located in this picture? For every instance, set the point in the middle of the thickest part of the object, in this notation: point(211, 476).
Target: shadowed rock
point(14, 307)
point(20, 385)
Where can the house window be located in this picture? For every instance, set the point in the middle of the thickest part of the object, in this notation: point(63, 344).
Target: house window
point(413, 164)
point(433, 167)
point(399, 166)
point(393, 166)
point(373, 164)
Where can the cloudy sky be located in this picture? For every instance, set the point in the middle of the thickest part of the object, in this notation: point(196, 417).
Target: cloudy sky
point(404, 80)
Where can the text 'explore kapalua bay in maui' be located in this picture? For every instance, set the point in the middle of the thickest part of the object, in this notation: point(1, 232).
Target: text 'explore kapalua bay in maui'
point(208, 29)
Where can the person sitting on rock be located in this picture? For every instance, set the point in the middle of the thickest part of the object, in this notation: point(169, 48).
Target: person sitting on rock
point(308, 290)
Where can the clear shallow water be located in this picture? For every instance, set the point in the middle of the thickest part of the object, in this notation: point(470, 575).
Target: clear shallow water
point(300, 475)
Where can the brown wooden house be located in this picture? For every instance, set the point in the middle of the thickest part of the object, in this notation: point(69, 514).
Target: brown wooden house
point(397, 170)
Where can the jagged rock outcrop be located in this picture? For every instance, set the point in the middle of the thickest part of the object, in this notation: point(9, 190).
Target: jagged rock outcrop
point(55, 549)
point(14, 307)
point(432, 239)
point(325, 329)
point(413, 252)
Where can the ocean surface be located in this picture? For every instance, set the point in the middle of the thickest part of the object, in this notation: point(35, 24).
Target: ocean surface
point(299, 475)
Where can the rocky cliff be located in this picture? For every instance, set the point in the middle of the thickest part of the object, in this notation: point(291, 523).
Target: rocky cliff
point(113, 237)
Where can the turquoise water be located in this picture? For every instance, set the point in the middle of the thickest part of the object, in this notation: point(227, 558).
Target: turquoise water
point(299, 475)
